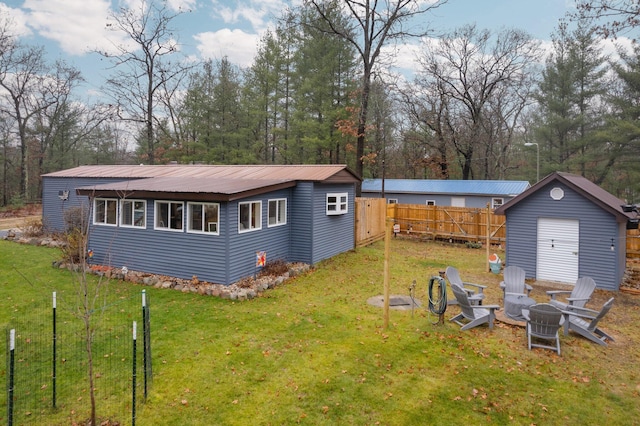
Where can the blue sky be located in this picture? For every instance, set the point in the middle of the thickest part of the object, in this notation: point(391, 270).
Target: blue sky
point(70, 29)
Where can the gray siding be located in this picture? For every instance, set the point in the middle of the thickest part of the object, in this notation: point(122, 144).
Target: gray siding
point(302, 219)
point(53, 207)
point(444, 200)
point(308, 236)
point(597, 228)
point(332, 234)
point(176, 254)
point(275, 241)
point(222, 259)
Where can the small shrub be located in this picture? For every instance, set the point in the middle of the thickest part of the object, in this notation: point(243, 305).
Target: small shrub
point(33, 228)
point(276, 268)
point(76, 218)
point(473, 245)
point(73, 247)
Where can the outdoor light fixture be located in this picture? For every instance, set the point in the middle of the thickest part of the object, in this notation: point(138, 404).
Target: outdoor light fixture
point(612, 246)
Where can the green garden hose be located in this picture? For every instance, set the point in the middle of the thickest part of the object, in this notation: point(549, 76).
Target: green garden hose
point(437, 304)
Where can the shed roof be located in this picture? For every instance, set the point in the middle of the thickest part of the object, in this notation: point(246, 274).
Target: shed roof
point(581, 185)
point(434, 186)
point(307, 172)
point(202, 182)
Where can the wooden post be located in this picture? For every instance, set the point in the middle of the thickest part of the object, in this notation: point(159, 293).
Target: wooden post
point(387, 249)
point(488, 236)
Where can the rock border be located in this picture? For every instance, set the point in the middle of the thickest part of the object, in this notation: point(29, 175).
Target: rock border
point(246, 289)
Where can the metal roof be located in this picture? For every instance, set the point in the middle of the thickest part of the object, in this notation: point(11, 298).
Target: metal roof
point(201, 182)
point(433, 186)
point(307, 172)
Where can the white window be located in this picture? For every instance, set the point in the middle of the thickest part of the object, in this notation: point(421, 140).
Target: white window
point(392, 201)
point(457, 202)
point(168, 215)
point(105, 211)
point(337, 203)
point(249, 216)
point(203, 217)
point(133, 213)
point(431, 202)
point(277, 212)
point(496, 202)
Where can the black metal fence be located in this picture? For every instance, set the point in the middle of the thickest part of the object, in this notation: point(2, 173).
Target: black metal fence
point(47, 361)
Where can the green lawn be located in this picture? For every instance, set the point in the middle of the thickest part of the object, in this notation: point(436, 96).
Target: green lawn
point(312, 351)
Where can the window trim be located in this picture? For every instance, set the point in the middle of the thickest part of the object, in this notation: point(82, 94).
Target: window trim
point(205, 230)
point(277, 222)
point(121, 212)
point(251, 210)
point(95, 211)
point(155, 216)
point(493, 200)
point(392, 201)
point(339, 210)
point(430, 202)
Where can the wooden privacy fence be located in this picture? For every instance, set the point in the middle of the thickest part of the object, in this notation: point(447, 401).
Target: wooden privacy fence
point(370, 219)
point(459, 224)
point(453, 223)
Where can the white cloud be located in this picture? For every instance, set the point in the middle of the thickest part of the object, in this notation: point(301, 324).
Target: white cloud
point(238, 46)
point(259, 13)
point(78, 26)
point(183, 5)
point(17, 20)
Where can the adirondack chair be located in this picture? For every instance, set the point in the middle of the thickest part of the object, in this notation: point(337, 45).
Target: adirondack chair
point(514, 281)
point(543, 322)
point(579, 296)
point(475, 292)
point(472, 315)
point(585, 321)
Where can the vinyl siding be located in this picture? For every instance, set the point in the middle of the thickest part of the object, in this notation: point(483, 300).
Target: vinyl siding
point(177, 254)
point(332, 234)
point(471, 201)
point(53, 207)
point(224, 258)
point(302, 223)
point(275, 241)
point(597, 228)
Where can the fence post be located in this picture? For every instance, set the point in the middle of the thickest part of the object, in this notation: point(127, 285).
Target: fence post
point(387, 249)
point(133, 378)
point(55, 358)
point(146, 343)
point(488, 243)
point(12, 347)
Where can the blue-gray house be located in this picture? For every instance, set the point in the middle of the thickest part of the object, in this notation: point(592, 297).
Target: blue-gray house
point(565, 227)
point(447, 193)
point(212, 222)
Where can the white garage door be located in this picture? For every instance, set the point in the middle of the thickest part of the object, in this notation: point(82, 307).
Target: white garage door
point(557, 251)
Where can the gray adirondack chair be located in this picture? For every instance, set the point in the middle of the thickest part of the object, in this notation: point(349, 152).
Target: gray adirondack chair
point(475, 292)
point(543, 322)
point(513, 283)
point(585, 321)
point(472, 315)
point(579, 296)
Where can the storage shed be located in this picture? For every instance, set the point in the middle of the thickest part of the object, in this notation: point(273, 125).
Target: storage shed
point(447, 193)
point(565, 227)
point(217, 223)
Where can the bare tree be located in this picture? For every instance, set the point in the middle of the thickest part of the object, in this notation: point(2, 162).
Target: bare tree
point(609, 17)
point(472, 73)
point(373, 24)
point(30, 88)
point(143, 70)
